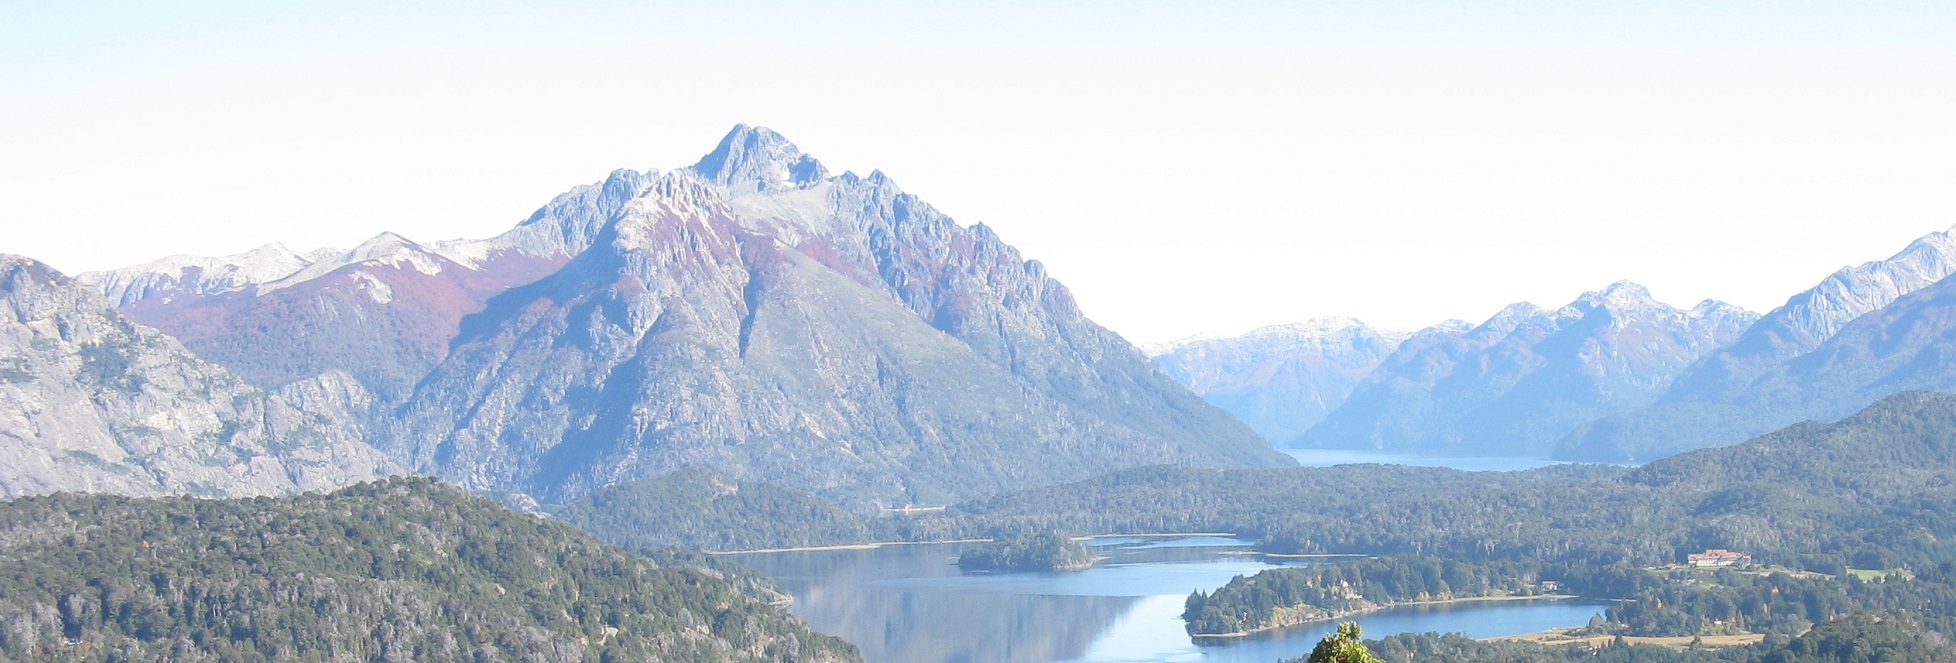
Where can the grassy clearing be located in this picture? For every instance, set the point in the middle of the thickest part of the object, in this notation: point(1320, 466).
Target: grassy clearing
point(1564, 637)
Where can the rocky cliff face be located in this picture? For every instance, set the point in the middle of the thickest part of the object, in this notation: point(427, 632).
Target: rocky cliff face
point(1283, 379)
point(1522, 380)
point(754, 315)
point(93, 402)
point(1716, 401)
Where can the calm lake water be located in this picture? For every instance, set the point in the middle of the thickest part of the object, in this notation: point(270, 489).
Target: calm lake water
point(1330, 457)
point(910, 604)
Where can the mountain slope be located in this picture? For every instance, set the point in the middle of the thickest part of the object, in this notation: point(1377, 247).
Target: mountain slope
point(755, 316)
point(1718, 400)
point(1910, 344)
point(400, 570)
point(92, 402)
point(1522, 380)
point(1283, 379)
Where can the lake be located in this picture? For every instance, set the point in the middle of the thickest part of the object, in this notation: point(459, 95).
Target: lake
point(911, 604)
point(1330, 457)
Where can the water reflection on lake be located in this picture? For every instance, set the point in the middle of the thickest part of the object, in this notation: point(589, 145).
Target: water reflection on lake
point(1330, 457)
point(910, 604)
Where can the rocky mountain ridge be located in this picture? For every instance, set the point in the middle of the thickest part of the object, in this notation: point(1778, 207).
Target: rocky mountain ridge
point(382, 312)
point(1518, 382)
point(93, 402)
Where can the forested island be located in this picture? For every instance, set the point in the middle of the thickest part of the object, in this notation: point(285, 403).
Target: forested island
point(1029, 551)
point(1289, 596)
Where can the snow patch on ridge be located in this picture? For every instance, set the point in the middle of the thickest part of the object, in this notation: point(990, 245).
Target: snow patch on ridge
point(199, 274)
point(385, 249)
point(374, 287)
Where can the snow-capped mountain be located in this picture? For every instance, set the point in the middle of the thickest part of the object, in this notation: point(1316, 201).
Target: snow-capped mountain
point(93, 402)
point(1724, 399)
point(757, 316)
point(1281, 379)
point(1524, 378)
point(533, 248)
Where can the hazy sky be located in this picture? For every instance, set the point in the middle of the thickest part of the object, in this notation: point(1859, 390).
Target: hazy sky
point(1182, 166)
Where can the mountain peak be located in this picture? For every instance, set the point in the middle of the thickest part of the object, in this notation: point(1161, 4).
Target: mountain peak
point(758, 159)
point(39, 273)
point(1621, 295)
point(1509, 317)
point(1713, 307)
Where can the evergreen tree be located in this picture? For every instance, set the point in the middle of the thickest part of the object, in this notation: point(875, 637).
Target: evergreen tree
point(1345, 646)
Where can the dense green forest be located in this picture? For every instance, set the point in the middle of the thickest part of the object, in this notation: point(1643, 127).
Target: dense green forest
point(695, 509)
point(1657, 602)
point(398, 570)
point(1028, 551)
point(1897, 637)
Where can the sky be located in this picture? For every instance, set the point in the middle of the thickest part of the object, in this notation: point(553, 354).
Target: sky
point(1183, 167)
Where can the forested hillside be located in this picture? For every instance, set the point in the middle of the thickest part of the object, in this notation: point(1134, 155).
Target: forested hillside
point(1871, 491)
point(398, 570)
point(693, 508)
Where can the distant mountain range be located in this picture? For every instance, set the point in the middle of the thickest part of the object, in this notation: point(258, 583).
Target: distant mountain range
point(1611, 377)
point(1283, 379)
point(1863, 333)
point(752, 314)
point(1524, 378)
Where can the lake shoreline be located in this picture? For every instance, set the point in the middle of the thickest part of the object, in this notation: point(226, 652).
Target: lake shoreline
point(873, 545)
point(1389, 606)
point(910, 604)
